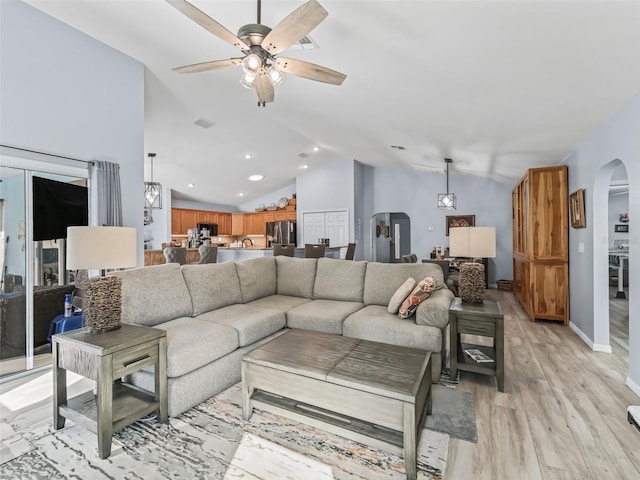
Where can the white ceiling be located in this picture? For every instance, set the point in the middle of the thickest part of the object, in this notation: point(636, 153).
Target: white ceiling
point(497, 86)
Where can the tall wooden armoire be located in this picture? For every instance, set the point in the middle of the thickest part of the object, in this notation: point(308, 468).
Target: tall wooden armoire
point(541, 243)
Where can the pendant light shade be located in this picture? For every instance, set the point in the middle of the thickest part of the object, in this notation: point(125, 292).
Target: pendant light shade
point(152, 190)
point(447, 201)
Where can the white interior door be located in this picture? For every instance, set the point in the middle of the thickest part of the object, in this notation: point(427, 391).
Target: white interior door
point(336, 226)
point(313, 227)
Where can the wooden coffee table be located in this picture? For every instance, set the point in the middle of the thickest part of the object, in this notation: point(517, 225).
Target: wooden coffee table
point(370, 392)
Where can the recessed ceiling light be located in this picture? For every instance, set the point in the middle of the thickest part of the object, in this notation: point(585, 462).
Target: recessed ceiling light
point(256, 178)
point(316, 149)
point(305, 166)
point(191, 185)
point(241, 194)
point(248, 155)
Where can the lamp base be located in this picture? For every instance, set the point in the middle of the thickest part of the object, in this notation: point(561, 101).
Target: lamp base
point(471, 282)
point(102, 304)
point(98, 331)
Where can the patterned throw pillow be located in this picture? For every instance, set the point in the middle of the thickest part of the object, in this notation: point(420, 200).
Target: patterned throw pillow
point(402, 292)
point(420, 293)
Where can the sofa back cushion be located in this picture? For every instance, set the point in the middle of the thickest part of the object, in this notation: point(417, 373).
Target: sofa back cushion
point(296, 276)
point(340, 280)
point(257, 278)
point(154, 295)
point(383, 279)
point(212, 286)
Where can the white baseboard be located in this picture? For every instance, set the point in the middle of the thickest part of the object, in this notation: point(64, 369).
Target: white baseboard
point(596, 347)
point(635, 388)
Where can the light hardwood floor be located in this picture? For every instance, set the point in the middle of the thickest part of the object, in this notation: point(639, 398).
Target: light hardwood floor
point(563, 412)
point(562, 415)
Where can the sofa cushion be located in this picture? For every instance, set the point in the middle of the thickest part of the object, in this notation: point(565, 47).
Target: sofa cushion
point(284, 303)
point(252, 323)
point(400, 295)
point(296, 276)
point(153, 295)
point(419, 294)
point(257, 278)
point(212, 286)
point(193, 343)
point(434, 311)
point(383, 279)
point(341, 280)
point(322, 315)
point(375, 323)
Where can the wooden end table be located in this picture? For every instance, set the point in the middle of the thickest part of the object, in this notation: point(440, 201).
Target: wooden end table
point(483, 319)
point(106, 358)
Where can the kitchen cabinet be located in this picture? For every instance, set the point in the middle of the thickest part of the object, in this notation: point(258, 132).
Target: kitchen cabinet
point(541, 243)
point(189, 220)
point(224, 223)
point(270, 217)
point(292, 216)
point(280, 216)
point(176, 221)
point(237, 224)
point(202, 217)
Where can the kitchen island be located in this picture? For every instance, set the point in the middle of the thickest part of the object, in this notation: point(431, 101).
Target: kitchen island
point(233, 254)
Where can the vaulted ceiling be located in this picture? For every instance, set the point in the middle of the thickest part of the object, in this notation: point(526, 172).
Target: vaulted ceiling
point(497, 86)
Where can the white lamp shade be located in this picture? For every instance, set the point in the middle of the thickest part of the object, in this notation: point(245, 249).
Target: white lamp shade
point(98, 248)
point(472, 242)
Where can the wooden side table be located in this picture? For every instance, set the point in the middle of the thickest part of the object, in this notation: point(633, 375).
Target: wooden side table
point(482, 319)
point(106, 358)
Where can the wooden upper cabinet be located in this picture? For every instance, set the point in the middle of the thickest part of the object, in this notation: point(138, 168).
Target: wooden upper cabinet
point(224, 223)
point(237, 224)
point(279, 216)
point(202, 217)
point(292, 216)
point(548, 226)
point(176, 221)
point(189, 220)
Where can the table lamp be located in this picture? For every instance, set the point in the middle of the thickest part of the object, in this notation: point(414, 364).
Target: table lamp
point(472, 242)
point(101, 248)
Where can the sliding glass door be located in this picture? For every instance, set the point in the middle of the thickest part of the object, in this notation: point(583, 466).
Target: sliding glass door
point(33, 279)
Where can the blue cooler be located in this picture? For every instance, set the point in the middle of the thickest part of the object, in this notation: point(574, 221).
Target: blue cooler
point(62, 324)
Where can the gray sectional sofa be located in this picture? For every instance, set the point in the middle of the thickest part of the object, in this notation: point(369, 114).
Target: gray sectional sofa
point(215, 313)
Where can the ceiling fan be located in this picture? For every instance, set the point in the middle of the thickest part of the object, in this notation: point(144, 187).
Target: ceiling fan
point(260, 45)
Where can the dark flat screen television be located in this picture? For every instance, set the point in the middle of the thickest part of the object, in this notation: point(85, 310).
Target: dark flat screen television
point(56, 206)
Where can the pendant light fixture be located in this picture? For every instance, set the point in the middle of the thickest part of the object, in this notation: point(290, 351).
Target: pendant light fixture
point(447, 201)
point(152, 190)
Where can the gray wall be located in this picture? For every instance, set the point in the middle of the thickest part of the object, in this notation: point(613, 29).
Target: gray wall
point(68, 94)
point(268, 199)
point(415, 193)
point(591, 167)
point(328, 188)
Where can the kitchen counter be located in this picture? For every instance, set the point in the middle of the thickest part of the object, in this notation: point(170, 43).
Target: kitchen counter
point(233, 254)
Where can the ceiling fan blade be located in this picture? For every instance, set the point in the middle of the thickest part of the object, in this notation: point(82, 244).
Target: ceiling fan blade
point(310, 71)
point(264, 89)
point(207, 66)
point(208, 23)
point(293, 27)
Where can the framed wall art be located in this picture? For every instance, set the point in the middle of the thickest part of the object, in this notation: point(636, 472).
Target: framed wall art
point(576, 204)
point(622, 227)
point(460, 221)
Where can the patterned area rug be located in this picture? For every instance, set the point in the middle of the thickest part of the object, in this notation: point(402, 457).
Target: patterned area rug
point(212, 441)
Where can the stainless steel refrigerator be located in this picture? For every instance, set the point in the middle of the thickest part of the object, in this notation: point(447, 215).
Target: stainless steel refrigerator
point(283, 232)
point(390, 237)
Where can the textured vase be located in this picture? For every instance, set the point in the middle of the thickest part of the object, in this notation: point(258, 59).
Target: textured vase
point(471, 282)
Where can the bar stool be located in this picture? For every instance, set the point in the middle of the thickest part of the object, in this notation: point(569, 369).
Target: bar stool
point(312, 250)
point(284, 250)
point(351, 250)
point(175, 255)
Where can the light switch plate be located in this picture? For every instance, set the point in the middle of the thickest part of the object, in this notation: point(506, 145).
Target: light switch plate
point(580, 247)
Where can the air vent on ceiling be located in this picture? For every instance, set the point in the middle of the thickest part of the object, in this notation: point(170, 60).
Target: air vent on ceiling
point(425, 168)
point(303, 155)
point(306, 43)
point(204, 123)
point(398, 147)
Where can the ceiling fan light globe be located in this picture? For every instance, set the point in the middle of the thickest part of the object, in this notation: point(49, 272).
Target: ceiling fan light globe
point(247, 80)
point(276, 77)
point(251, 64)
